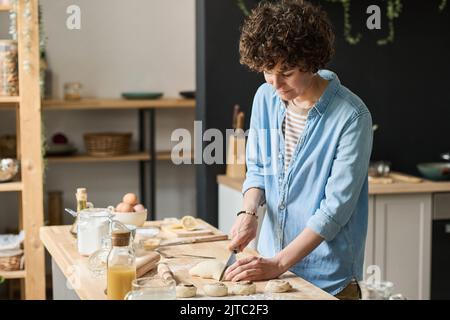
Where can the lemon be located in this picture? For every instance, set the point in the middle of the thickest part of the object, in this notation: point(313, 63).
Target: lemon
point(189, 222)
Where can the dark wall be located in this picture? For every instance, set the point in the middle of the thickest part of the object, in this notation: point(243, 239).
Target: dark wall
point(404, 83)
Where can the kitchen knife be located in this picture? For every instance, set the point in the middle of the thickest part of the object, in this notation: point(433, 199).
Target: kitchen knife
point(230, 261)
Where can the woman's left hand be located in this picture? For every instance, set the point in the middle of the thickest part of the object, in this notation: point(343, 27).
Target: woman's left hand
point(253, 269)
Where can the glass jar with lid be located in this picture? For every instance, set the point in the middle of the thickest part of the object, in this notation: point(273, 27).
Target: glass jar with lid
point(93, 225)
point(72, 91)
point(121, 266)
point(9, 75)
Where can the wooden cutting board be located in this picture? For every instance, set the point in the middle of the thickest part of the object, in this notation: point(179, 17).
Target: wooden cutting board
point(204, 233)
point(183, 233)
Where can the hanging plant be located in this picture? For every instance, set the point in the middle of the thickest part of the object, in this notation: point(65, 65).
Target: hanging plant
point(393, 10)
point(243, 7)
point(347, 25)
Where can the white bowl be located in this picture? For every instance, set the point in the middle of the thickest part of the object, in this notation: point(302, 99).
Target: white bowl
point(134, 218)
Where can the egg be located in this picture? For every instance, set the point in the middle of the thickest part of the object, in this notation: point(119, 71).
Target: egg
point(124, 207)
point(139, 208)
point(130, 198)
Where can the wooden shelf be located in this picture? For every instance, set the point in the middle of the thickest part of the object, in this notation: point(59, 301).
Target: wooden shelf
point(13, 274)
point(10, 186)
point(167, 155)
point(5, 7)
point(7, 102)
point(92, 104)
point(140, 156)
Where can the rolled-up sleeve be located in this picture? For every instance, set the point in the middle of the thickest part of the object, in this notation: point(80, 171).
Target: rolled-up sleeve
point(347, 177)
point(254, 161)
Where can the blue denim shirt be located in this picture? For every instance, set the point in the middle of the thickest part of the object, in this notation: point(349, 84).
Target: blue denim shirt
point(325, 187)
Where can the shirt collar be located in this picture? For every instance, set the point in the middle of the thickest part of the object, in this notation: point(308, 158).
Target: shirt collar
point(327, 95)
point(329, 92)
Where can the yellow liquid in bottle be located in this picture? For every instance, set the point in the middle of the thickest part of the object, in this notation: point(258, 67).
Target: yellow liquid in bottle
point(119, 281)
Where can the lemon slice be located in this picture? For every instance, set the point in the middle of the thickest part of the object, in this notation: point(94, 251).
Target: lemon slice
point(189, 222)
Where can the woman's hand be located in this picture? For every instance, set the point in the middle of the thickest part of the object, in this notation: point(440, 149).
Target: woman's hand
point(243, 231)
point(253, 269)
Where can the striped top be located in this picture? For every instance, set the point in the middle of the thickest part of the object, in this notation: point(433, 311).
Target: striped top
point(293, 127)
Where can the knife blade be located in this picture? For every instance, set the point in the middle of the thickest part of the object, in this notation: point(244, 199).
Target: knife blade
point(230, 261)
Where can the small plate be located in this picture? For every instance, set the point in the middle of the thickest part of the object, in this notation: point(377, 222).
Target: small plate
point(61, 149)
point(147, 232)
point(142, 95)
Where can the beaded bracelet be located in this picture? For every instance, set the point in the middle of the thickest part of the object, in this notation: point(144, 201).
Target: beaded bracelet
point(248, 212)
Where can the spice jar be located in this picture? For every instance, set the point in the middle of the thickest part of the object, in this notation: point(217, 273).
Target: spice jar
point(9, 76)
point(72, 91)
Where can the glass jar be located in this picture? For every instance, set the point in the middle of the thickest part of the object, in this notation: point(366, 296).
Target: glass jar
point(93, 225)
point(152, 288)
point(72, 91)
point(121, 266)
point(9, 75)
point(98, 261)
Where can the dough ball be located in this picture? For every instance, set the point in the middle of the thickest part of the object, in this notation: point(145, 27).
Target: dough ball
point(218, 289)
point(278, 286)
point(130, 198)
point(186, 290)
point(210, 269)
point(243, 288)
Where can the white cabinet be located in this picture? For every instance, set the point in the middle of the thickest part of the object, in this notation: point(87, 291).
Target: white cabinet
point(402, 225)
point(369, 254)
point(230, 203)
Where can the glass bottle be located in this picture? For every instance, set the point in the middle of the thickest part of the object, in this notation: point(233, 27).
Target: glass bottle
point(81, 196)
point(121, 266)
point(9, 74)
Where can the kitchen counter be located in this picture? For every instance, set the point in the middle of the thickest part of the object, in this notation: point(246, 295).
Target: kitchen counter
point(73, 280)
point(401, 210)
point(396, 187)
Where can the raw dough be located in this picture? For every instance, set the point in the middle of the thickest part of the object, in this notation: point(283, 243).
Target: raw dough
point(278, 286)
point(218, 289)
point(210, 269)
point(151, 244)
point(243, 288)
point(186, 290)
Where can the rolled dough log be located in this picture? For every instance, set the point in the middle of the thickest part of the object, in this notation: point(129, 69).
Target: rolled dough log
point(211, 269)
point(278, 286)
point(218, 289)
point(243, 288)
point(186, 290)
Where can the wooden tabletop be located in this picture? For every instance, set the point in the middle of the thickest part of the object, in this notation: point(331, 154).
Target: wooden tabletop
point(396, 187)
point(62, 247)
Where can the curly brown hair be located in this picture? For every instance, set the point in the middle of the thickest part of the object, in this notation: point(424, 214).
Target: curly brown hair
point(294, 33)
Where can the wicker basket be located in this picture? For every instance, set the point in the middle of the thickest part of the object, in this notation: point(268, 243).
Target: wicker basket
point(12, 261)
point(107, 144)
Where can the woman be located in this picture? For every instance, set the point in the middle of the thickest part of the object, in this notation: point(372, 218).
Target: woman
point(317, 195)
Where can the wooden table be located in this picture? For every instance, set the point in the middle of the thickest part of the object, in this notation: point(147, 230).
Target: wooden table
point(73, 280)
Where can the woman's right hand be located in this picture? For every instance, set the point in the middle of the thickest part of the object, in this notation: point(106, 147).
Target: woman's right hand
point(243, 231)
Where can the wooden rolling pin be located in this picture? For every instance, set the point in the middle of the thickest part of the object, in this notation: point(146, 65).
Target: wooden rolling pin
point(146, 263)
point(165, 272)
